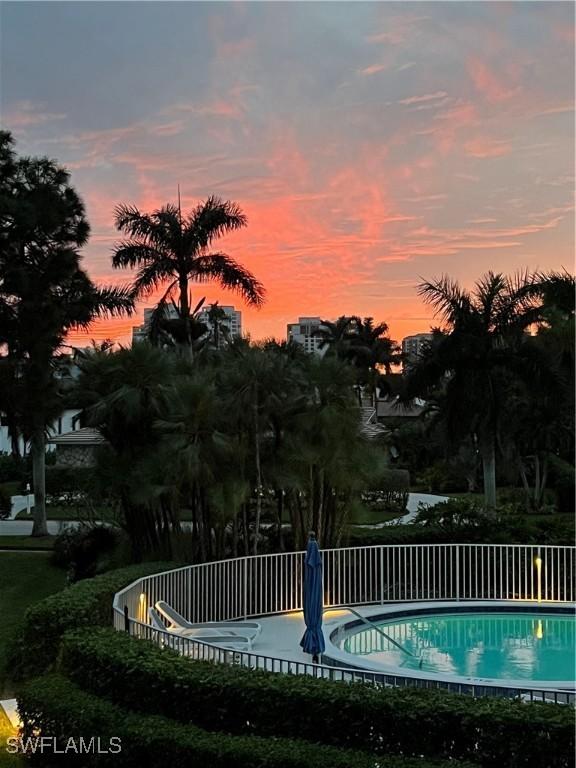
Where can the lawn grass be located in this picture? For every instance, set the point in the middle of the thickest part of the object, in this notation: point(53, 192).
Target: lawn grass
point(372, 517)
point(25, 578)
point(6, 731)
point(45, 543)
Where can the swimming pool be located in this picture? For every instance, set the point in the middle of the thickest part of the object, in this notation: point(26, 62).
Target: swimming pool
point(510, 645)
point(496, 645)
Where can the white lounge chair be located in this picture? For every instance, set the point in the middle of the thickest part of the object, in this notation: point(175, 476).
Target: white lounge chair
point(212, 637)
point(249, 629)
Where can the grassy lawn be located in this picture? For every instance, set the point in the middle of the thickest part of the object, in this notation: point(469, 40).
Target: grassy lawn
point(25, 578)
point(371, 517)
point(72, 513)
point(27, 542)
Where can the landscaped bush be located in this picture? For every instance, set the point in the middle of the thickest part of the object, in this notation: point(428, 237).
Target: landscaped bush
point(85, 550)
point(55, 707)
point(492, 732)
point(85, 604)
point(14, 469)
point(444, 477)
point(5, 503)
point(506, 527)
point(389, 492)
point(68, 480)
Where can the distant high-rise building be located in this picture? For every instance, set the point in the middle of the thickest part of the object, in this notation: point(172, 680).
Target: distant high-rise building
point(140, 332)
point(305, 333)
point(412, 348)
point(230, 322)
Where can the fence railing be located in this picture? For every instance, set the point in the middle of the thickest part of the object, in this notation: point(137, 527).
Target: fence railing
point(272, 584)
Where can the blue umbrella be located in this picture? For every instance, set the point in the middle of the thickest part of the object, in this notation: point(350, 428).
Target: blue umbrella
point(313, 639)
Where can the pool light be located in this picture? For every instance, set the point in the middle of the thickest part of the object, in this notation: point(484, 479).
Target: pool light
point(538, 564)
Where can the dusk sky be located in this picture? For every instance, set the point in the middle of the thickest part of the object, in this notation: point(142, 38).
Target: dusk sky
point(369, 144)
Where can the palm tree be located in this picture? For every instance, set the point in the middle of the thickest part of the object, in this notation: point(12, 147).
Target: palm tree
point(338, 336)
point(124, 395)
point(218, 324)
point(44, 292)
point(372, 347)
point(169, 248)
point(477, 355)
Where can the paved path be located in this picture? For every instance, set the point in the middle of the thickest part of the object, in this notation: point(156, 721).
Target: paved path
point(414, 499)
point(24, 527)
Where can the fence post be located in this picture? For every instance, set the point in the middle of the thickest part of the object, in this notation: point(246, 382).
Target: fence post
point(381, 575)
point(457, 571)
point(245, 587)
point(126, 620)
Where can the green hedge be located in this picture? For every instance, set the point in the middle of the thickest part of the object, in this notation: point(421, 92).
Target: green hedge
point(516, 530)
point(55, 707)
point(87, 603)
point(413, 722)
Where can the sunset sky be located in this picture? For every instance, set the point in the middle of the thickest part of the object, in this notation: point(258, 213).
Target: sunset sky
point(369, 144)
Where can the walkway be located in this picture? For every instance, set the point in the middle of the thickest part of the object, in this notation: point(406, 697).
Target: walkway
point(13, 527)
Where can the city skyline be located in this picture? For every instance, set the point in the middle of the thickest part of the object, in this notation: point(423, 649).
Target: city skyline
point(370, 145)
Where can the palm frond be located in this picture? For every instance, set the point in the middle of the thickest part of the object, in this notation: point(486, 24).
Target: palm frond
point(229, 274)
point(131, 253)
point(114, 301)
point(151, 276)
point(160, 229)
point(449, 301)
point(210, 220)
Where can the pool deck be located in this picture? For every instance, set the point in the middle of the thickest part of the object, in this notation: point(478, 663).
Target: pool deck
point(281, 635)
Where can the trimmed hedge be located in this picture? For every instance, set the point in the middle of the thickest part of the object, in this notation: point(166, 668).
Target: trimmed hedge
point(55, 707)
point(515, 530)
point(412, 722)
point(85, 604)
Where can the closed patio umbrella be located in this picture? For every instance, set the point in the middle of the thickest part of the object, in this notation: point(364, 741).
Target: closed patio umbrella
point(313, 639)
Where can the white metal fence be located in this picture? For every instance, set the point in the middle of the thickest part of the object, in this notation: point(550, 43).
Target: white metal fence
point(271, 584)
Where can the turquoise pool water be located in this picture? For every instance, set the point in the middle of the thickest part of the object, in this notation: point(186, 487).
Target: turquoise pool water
point(514, 646)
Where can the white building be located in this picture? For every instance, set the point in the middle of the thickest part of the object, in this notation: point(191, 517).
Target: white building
point(66, 422)
point(305, 333)
point(412, 348)
point(231, 323)
point(140, 332)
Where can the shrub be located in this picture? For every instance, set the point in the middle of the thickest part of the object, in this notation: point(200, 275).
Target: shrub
point(389, 492)
point(436, 724)
point(14, 469)
point(85, 604)
point(68, 480)
point(55, 707)
point(5, 503)
point(85, 550)
point(445, 477)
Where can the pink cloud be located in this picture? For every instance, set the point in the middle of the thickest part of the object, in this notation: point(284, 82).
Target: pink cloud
point(487, 82)
point(373, 69)
point(484, 148)
point(25, 114)
point(426, 97)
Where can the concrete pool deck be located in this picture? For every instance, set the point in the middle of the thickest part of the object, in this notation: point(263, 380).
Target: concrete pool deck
point(281, 635)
